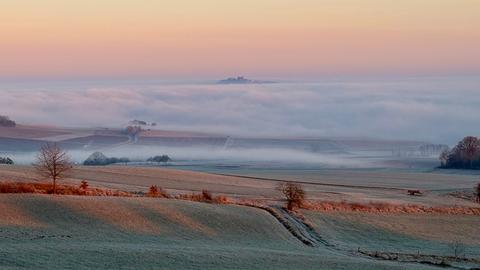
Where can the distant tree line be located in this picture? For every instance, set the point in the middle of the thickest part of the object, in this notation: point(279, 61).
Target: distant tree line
point(159, 159)
point(99, 159)
point(6, 122)
point(465, 155)
point(432, 149)
point(6, 160)
point(141, 123)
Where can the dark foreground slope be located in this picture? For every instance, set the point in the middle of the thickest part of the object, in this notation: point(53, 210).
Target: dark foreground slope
point(68, 232)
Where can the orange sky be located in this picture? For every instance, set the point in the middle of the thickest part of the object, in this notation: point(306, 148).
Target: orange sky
point(215, 38)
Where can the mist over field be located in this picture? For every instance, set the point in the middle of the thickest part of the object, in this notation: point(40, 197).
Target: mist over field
point(437, 110)
point(204, 155)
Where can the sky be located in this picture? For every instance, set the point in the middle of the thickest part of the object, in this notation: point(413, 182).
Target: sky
point(68, 39)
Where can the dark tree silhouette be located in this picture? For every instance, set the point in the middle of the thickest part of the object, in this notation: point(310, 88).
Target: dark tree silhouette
point(6, 160)
point(99, 159)
point(465, 155)
point(470, 149)
point(6, 122)
point(53, 163)
point(158, 159)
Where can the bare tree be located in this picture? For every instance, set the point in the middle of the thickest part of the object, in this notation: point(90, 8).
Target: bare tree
point(53, 163)
point(294, 194)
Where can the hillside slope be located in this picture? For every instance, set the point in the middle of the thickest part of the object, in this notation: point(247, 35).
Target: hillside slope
point(68, 232)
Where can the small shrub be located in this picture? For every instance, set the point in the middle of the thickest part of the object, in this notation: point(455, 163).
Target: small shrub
point(157, 192)
point(207, 195)
point(84, 185)
point(153, 191)
point(221, 199)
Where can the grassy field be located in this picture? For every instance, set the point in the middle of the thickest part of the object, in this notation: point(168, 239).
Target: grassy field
point(351, 185)
point(405, 233)
point(78, 232)
point(68, 232)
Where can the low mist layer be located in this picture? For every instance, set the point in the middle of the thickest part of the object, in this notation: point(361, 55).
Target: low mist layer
point(204, 155)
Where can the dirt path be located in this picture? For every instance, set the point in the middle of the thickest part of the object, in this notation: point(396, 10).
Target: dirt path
point(305, 233)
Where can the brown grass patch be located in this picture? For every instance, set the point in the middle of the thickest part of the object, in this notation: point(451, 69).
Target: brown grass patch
point(375, 207)
point(157, 192)
point(205, 196)
point(47, 188)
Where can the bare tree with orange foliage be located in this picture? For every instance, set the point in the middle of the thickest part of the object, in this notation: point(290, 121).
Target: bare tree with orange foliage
point(294, 194)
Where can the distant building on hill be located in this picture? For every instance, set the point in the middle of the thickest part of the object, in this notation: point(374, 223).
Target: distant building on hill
point(241, 80)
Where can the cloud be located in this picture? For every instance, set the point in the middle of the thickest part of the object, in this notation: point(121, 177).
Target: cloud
point(438, 110)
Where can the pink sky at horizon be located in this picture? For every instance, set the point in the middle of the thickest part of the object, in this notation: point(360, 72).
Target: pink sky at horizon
point(216, 38)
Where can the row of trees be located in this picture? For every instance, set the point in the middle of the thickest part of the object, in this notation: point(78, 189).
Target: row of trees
point(6, 160)
point(159, 159)
point(465, 155)
point(99, 159)
point(6, 122)
point(432, 149)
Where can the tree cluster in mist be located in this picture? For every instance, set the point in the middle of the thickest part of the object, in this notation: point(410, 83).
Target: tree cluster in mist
point(5, 121)
point(6, 160)
point(99, 159)
point(465, 155)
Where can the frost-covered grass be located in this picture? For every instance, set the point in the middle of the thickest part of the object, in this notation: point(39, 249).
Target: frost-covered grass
point(404, 233)
point(76, 232)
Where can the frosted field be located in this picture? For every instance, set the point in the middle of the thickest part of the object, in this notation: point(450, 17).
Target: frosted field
point(45, 232)
point(69, 232)
point(405, 233)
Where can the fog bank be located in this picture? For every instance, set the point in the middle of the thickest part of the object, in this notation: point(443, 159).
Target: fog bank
point(437, 110)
